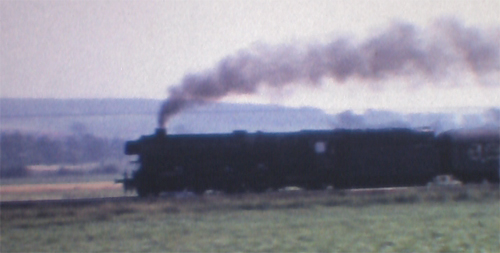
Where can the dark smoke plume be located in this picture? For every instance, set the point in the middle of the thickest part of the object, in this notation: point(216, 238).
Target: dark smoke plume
point(402, 50)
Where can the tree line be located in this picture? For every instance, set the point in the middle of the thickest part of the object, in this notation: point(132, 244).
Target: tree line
point(19, 150)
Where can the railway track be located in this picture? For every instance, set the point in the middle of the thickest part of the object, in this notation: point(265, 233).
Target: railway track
point(170, 196)
point(64, 202)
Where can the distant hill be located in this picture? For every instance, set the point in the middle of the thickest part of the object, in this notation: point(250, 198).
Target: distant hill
point(120, 118)
point(131, 118)
point(76, 107)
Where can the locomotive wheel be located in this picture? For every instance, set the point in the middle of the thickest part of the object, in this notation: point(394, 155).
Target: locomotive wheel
point(258, 188)
point(235, 188)
point(198, 190)
point(155, 192)
point(147, 190)
point(315, 186)
point(142, 191)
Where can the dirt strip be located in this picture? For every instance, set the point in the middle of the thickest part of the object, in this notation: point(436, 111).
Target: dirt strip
point(25, 188)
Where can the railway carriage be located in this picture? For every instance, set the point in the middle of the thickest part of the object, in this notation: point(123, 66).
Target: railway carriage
point(471, 155)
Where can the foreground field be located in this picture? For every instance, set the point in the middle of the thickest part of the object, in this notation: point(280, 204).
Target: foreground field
point(432, 221)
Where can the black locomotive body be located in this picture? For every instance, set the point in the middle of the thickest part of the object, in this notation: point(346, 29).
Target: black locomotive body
point(241, 161)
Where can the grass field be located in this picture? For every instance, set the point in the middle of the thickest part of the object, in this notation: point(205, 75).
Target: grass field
point(463, 220)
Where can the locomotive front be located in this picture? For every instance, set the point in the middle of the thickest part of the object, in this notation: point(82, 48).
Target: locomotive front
point(151, 158)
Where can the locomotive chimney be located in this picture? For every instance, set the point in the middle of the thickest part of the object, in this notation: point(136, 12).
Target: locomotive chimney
point(161, 132)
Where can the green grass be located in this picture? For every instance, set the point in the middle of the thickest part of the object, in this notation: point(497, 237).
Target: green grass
point(467, 220)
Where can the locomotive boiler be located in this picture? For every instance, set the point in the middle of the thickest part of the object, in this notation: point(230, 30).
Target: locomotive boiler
point(309, 159)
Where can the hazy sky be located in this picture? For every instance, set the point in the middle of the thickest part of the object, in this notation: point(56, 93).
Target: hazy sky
point(137, 49)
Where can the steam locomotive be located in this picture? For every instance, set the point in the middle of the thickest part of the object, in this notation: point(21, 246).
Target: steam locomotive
point(309, 159)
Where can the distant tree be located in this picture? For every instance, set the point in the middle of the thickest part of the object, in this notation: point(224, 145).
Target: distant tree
point(73, 150)
point(349, 119)
point(93, 148)
point(14, 171)
point(78, 128)
point(13, 149)
point(13, 154)
point(47, 151)
point(493, 116)
point(17, 151)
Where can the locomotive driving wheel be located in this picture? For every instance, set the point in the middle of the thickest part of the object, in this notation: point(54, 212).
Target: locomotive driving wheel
point(147, 186)
point(142, 191)
point(147, 191)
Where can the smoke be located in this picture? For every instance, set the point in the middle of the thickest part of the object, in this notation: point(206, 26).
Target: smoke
point(402, 50)
point(486, 118)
